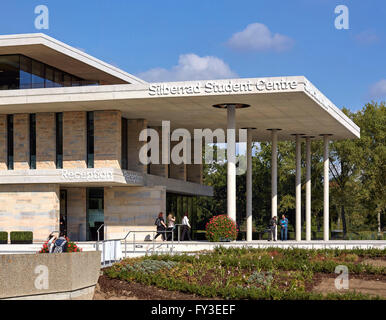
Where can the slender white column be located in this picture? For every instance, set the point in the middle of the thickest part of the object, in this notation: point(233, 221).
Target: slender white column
point(308, 189)
point(249, 185)
point(298, 229)
point(231, 162)
point(274, 174)
point(326, 205)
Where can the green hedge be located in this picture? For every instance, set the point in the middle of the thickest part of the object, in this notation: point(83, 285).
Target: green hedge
point(21, 237)
point(3, 237)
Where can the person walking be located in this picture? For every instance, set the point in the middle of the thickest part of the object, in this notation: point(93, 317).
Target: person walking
point(161, 226)
point(171, 226)
point(185, 227)
point(283, 228)
point(272, 227)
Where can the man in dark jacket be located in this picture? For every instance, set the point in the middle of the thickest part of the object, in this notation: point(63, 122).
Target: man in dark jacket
point(272, 226)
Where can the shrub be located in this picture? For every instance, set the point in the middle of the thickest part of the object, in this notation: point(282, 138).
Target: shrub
point(221, 228)
point(3, 237)
point(21, 237)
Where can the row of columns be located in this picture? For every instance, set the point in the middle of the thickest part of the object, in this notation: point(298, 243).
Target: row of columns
point(231, 178)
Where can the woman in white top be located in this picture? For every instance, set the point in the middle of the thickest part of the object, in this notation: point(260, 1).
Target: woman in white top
point(186, 227)
point(171, 224)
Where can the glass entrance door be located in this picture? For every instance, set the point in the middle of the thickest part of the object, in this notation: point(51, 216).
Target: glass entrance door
point(95, 213)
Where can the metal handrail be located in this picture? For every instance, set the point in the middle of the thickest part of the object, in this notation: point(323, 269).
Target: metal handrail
point(97, 244)
point(145, 231)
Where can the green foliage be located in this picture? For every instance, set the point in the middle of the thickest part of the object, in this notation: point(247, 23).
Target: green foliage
point(357, 180)
point(3, 237)
point(21, 236)
point(221, 228)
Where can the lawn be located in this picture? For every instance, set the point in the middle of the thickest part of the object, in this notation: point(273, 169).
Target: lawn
point(260, 273)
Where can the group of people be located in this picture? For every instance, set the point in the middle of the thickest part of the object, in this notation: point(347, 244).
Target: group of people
point(57, 244)
point(283, 223)
point(166, 229)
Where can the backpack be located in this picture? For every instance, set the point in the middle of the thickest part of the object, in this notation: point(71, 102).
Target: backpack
point(157, 222)
point(60, 246)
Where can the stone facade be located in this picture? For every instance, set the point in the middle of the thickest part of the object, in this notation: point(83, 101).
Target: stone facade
point(76, 213)
point(74, 140)
point(30, 208)
point(127, 208)
point(45, 140)
point(159, 169)
point(21, 141)
point(107, 139)
point(134, 127)
point(3, 142)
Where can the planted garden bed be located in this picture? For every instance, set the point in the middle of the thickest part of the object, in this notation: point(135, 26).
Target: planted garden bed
point(254, 273)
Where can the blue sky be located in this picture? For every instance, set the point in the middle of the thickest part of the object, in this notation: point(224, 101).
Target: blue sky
point(177, 40)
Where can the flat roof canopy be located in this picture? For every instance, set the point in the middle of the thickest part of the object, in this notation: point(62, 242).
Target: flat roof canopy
point(64, 57)
point(291, 104)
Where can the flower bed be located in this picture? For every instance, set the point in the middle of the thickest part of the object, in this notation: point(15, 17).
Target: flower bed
point(221, 228)
point(71, 247)
point(250, 273)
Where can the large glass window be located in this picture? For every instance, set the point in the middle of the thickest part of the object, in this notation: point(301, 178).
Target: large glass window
point(90, 139)
point(32, 141)
point(9, 72)
point(124, 151)
point(59, 140)
point(10, 142)
point(21, 72)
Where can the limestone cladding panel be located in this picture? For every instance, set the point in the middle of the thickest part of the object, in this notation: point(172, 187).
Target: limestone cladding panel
point(159, 169)
point(21, 141)
point(3, 142)
point(30, 208)
point(74, 139)
point(127, 207)
point(76, 213)
point(107, 139)
point(45, 141)
point(134, 128)
point(194, 172)
point(177, 171)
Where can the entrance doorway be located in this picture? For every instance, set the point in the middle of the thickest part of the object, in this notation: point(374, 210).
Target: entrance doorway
point(95, 213)
point(63, 212)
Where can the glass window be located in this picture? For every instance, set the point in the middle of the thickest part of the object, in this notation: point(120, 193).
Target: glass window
point(9, 72)
point(10, 142)
point(59, 140)
point(67, 80)
point(124, 151)
point(95, 213)
point(25, 73)
point(58, 78)
point(37, 74)
point(32, 141)
point(49, 77)
point(90, 139)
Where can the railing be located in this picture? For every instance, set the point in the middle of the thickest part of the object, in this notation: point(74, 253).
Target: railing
point(97, 244)
point(165, 232)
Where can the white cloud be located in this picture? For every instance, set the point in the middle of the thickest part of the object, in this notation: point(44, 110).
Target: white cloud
point(367, 37)
point(191, 67)
point(257, 37)
point(378, 90)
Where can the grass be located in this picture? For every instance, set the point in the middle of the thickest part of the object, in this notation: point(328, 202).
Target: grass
point(241, 273)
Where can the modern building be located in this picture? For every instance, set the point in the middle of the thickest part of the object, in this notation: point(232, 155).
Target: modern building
point(70, 142)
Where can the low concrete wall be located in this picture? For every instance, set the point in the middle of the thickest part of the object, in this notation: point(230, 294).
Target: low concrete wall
point(63, 276)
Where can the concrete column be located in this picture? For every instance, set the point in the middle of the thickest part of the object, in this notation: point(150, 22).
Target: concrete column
point(326, 205)
point(231, 162)
point(298, 188)
point(249, 184)
point(308, 189)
